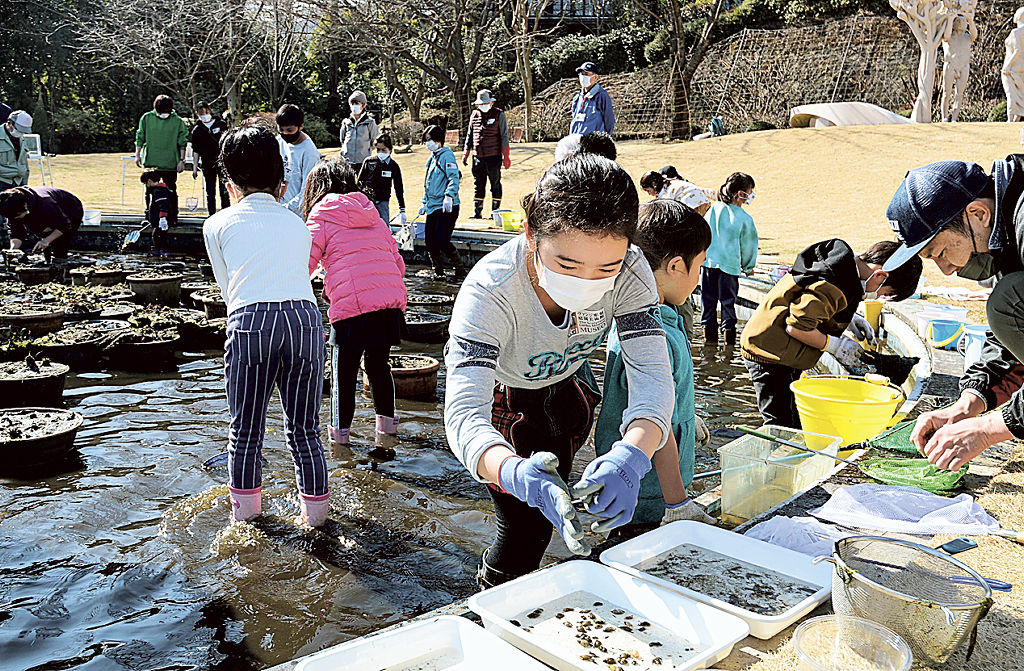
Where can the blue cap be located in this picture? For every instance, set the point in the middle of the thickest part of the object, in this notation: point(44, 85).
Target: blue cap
point(929, 198)
point(588, 67)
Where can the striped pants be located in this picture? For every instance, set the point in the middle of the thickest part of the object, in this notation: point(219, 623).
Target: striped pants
point(282, 345)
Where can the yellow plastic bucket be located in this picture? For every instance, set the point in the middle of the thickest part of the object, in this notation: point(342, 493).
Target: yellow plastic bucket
point(853, 408)
point(508, 220)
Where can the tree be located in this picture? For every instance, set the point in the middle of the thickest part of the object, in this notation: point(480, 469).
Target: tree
point(178, 45)
point(927, 21)
point(522, 21)
point(684, 63)
point(446, 40)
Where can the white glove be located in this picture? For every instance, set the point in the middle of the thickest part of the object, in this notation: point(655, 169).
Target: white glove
point(446, 204)
point(861, 330)
point(402, 218)
point(701, 433)
point(845, 350)
point(163, 223)
point(423, 210)
point(687, 510)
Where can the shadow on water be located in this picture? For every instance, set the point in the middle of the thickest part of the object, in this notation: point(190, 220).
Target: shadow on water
point(124, 557)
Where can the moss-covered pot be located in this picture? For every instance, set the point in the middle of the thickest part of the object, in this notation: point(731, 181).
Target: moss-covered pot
point(212, 303)
point(34, 274)
point(35, 436)
point(37, 319)
point(425, 327)
point(156, 288)
point(98, 277)
point(32, 383)
point(415, 376)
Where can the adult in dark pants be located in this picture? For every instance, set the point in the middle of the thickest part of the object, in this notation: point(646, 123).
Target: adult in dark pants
point(971, 223)
point(441, 203)
point(206, 135)
point(50, 214)
point(160, 141)
point(488, 137)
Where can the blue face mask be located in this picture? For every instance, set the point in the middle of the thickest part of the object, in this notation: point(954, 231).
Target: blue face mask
point(383, 156)
point(432, 146)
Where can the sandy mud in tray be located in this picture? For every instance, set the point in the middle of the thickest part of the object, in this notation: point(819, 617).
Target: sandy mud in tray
point(610, 638)
point(746, 586)
point(22, 424)
point(30, 369)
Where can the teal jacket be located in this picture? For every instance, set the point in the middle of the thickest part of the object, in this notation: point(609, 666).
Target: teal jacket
point(733, 247)
point(442, 180)
point(162, 140)
point(13, 164)
point(651, 505)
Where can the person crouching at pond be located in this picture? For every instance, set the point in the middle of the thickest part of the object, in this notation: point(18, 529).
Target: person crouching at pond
point(275, 337)
point(674, 238)
point(807, 312)
point(365, 288)
point(520, 397)
point(441, 203)
point(733, 252)
point(161, 209)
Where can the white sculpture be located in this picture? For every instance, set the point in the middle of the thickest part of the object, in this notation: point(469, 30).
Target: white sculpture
point(927, 21)
point(957, 41)
point(1013, 70)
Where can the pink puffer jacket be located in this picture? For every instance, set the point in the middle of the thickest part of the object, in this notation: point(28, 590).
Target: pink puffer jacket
point(359, 254)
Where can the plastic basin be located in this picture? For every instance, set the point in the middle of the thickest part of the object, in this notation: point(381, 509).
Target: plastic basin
point(944, 333)
point(853, 408)
point(837, 642)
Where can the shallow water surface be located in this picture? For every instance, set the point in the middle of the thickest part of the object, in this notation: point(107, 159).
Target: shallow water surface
point(129, 562)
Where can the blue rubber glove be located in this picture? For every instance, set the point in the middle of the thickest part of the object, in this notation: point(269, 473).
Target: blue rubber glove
point(536, 482)
point(610, 485)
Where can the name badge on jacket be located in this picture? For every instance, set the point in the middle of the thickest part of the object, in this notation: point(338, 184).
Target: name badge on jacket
point(385, 173)
point(581, 117)
point(490, 121)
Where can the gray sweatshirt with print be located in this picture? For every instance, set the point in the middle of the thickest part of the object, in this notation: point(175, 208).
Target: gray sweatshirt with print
point(500, 332)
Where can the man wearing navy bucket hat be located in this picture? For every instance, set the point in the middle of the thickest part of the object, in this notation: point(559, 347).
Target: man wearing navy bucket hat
point(971, 223)
point(592, 107)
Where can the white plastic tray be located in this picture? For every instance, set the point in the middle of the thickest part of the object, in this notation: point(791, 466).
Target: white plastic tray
point(628, 555)
point(445, 643)
point(686, 618)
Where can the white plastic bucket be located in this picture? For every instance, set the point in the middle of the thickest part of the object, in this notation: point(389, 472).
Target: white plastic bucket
point(950, 313)
point(92, 217)
point(971, 343)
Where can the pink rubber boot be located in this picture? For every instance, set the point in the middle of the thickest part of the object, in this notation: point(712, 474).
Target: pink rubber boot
point(314, 509)
point(339, 443)
point(245, 503)
point(387, 432)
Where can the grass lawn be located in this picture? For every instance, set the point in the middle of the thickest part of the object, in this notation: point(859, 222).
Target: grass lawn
point(811, 183)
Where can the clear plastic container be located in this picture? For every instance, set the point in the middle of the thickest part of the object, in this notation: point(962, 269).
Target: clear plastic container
point(843, 643)
point(758, 474)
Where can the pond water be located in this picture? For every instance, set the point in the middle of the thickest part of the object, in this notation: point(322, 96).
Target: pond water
point(129, 562)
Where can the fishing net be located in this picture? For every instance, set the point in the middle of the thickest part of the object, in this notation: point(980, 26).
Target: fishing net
point(912, 473)
point(896, 438)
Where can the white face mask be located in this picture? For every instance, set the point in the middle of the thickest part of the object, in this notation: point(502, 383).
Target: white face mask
point(868, 295)
point(206, 118)
point(484, 108)
point(572, 293)
point(586, 82)
point(750, 197)
point(15, 133)
point(163, 115)
point(432, 146)
point(357, 109)
point(382, 155)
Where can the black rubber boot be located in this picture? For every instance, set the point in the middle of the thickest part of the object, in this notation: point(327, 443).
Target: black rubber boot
point(730, 337)
point(710, 336)
point(457, 265)
point(478, 209)
point(495, 205)
point(487, 576)
point(437, 261)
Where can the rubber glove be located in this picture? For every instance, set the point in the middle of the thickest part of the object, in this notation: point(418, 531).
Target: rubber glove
point(861, 330)
point(162, 223)
point(535, 481)
point(423, 210)
point(687, 510)
point(611, 484)
point(446, 204)
point(845, 350)
point(506, 158)
point(402, 218)
point(701, 434)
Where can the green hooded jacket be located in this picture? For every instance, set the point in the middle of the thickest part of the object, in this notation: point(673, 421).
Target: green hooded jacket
point(162, 140)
